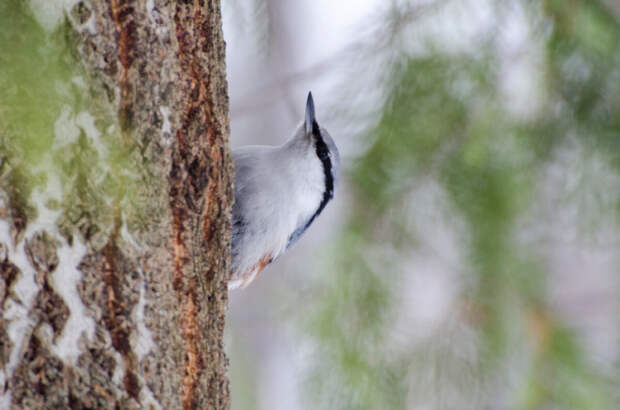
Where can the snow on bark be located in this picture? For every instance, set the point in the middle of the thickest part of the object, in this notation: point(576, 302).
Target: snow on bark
point(106, 302)
point(17, 307)
point(66, 279)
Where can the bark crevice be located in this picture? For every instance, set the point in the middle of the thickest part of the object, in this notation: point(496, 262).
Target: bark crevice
point(141, 234)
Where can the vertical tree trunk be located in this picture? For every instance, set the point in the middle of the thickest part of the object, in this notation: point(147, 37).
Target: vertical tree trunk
point(114, 245)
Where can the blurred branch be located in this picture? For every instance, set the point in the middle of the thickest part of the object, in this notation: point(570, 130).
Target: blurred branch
point(379, 38)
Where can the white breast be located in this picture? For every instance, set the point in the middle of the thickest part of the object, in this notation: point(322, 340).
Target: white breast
point(276, 193)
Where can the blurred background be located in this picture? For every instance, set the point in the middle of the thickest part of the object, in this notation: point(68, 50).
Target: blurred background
point(470, 259)
point(471, 256)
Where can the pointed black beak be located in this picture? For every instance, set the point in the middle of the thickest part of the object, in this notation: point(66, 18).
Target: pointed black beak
point(310, 115)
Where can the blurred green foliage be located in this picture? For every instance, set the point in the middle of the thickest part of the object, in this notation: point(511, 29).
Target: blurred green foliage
point(445, 118)
point(57, 135)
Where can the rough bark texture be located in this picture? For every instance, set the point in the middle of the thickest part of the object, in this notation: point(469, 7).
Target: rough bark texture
point(148, 317)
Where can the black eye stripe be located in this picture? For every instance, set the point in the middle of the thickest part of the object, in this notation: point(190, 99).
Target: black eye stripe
point(322, 151)
point(316, 130)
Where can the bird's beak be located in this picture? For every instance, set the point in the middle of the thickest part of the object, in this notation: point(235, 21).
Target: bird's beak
point(310, 116)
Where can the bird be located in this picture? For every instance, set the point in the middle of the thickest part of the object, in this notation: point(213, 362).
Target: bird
point(279, 192)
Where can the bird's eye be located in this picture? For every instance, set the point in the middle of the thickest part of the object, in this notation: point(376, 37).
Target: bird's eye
point(323, 154)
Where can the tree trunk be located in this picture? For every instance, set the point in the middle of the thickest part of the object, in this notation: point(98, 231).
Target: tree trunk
point(115, 197)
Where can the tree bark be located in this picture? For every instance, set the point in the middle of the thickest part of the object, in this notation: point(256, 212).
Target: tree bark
point(114, 291)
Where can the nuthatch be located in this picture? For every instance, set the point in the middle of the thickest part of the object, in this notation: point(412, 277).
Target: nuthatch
point(279, 192)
